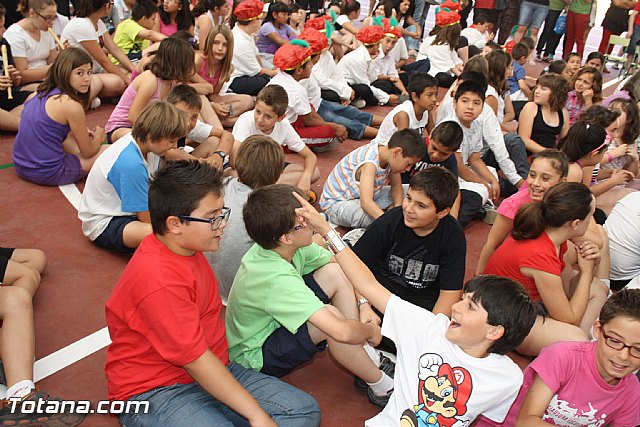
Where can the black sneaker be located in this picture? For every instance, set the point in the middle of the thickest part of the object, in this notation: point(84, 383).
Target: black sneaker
point(11, 414)
point(386, 365)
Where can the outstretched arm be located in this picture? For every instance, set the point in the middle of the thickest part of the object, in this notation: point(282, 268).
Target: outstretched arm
point(358, 274)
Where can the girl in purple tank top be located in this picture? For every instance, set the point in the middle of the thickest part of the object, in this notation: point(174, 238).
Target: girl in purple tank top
point(53, 145)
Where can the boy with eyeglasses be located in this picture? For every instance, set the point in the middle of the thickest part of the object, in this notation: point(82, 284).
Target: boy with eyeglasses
point(589, 383)
point(164, 316)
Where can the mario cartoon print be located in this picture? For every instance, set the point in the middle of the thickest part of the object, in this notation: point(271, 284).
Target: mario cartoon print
point(443, 395)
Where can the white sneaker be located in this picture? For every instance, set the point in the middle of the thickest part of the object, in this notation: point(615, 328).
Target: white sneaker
point(95, 103)
point(359, 103)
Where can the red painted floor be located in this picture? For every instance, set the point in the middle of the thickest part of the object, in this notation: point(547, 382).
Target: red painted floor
point(79, 278)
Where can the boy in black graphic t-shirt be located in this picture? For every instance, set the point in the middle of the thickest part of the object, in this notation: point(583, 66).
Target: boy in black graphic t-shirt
point(418, 251)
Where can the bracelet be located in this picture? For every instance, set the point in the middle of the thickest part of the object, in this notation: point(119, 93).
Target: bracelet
point(334, 242)
point(362, 300)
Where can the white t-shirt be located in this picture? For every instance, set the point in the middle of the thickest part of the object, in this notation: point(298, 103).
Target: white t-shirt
point(24, 46)
point(245, 54)
point(399, 51)
point(441, 57)
point(492, 138)
point(388, 127)
point(474, 37)
point(623, 229)
point(283, 133)
point(80, 30)
point(471, 137)
point(329, 78)
point(298, 99)
point(313, 91)
point(427, 361)
point(384, 65)
point(59, 23)
point(357, 68)
point(117, 185)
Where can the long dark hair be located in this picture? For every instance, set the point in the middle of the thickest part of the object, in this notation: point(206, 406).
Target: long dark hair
point(562, 203)
point(184, 18)
point(60, 72)
point(173, 60)
point(498, 62)
point(582, 139)
point(87, 7)
point(275, 7)
point(632, 126)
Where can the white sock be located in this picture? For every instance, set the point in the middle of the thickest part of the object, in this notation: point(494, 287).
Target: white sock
point(373, 354)
point(20, 389)
point(383, 386)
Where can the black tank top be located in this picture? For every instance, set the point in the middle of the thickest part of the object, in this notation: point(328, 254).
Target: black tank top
point(542, 133)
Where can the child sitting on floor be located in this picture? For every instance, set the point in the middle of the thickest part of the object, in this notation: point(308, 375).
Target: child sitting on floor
point(587, 91)
point(358, 69)
point(43, 151)
point(269, 119)
point(359, 124)
point(20, 271)
point(258, 162)
point(135, 34)
point(289, 300)
point(415, 113)
point(418, 250)
point(248, 76)
point(448, 370)
point(114, 204)
point(294, 62)
point(589, 383)
point(175, 358)
point(355, 193)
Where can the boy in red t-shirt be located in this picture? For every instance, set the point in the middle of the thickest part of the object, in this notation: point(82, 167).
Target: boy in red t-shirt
point(168, 340)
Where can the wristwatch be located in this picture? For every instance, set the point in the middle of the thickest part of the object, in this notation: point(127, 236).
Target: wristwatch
point(362, 300)
point(222, 154)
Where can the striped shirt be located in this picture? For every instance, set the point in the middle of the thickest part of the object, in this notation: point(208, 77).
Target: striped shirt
point(342, 185)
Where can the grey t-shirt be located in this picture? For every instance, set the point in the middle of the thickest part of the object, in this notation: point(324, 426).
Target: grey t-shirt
point(235, 241)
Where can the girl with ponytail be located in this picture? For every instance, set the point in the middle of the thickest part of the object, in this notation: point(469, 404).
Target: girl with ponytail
point(543, 232)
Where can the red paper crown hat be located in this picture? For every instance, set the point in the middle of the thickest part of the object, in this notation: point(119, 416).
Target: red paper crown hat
point(370, 35)
point(292, 55)
point(390, 27)
point(318, 23)
point(249, 10)
point(453, 6)
point(445, 18)
point(317, 41)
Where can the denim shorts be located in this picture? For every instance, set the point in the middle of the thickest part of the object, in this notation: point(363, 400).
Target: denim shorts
point(111, 237)
point(532, 14)
point(283, 351)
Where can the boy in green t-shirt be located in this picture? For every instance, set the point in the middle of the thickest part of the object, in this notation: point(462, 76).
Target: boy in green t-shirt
point(135, 34)
point(290, 297)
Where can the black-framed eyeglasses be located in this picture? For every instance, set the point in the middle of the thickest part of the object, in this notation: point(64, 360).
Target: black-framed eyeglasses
point(616, 344)
point(215, 222)
point(46, 18)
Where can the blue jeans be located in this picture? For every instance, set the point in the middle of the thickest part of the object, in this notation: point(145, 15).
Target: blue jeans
point(635, 38)
point(420, 12)
point(188, 405)
point(532, 14)
point(350, 117)
point(412, 44)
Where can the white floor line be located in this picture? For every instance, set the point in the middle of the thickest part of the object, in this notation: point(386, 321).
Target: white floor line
point(70, 354)
point(612, 82)
point(71, 192)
